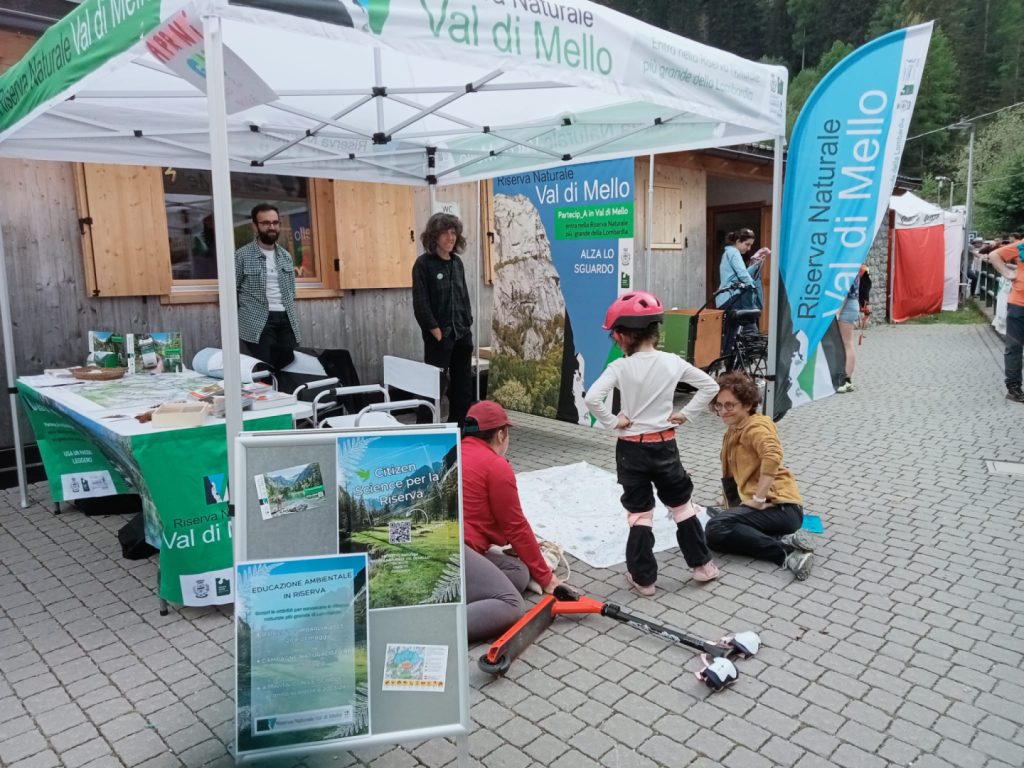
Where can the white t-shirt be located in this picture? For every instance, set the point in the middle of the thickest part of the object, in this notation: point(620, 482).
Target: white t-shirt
point(647, 386)
point(273, 285)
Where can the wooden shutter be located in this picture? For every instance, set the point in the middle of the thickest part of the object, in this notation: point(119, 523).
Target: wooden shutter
point(13, 46)
point(376, 231)
point(124, 230)
point(668, 217)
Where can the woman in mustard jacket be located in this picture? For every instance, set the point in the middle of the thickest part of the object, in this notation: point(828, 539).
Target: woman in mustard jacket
point(765, 510)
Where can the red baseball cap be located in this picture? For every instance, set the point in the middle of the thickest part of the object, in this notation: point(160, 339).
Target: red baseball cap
point(488, 415)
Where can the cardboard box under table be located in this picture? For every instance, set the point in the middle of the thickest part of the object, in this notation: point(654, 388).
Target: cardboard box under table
point(693, 334)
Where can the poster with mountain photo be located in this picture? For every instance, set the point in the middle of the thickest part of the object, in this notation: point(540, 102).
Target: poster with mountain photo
point(398, 501)
point(290, 490)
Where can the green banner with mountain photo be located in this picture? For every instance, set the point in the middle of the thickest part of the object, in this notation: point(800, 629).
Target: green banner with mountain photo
point(74, 47)
point(398, 500)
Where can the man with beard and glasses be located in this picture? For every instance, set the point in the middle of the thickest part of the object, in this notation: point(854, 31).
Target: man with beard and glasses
point(265, 284)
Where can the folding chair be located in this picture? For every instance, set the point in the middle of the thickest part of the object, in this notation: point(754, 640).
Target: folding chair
point(419, 379)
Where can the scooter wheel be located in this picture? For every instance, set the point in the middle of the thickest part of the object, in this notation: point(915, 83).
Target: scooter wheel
point(498, 668)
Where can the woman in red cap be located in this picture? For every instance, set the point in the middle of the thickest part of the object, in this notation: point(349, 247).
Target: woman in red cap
point(646, 453)
point(493, 517)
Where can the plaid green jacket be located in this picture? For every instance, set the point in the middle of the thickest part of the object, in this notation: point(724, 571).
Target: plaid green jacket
point(251, 289)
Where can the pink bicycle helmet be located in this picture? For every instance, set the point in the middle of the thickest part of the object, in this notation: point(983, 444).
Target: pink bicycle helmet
point(637, 309)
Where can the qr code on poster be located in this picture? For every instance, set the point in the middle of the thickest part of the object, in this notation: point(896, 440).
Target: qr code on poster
point(400, 532)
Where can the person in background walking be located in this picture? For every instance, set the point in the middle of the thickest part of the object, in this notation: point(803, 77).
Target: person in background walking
point(440, 301)
point(848, 317)
point(1009, 262)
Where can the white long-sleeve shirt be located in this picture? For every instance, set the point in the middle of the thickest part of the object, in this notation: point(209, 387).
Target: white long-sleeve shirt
point(647, 385)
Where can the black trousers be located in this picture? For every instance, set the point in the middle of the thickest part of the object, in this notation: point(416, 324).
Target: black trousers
point(642, 468)
point(754, 532)
point(277, 343)
point(455, 359)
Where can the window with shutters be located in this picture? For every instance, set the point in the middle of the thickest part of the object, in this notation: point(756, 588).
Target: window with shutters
point(148, 231)
point(668, 217)
point(188, 201)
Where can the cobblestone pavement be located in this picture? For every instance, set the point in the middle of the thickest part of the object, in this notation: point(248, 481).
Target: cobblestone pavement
point(903, 648)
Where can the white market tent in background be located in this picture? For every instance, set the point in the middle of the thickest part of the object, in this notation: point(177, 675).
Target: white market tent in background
point(396, 91)
point(928, 244)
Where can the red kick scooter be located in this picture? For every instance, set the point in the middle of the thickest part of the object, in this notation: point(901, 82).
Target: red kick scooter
point(718, 671)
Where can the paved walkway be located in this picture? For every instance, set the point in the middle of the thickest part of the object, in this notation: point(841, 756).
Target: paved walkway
point(904, 647)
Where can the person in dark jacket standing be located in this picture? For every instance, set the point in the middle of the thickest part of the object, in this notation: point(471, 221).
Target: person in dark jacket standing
point(440, 301)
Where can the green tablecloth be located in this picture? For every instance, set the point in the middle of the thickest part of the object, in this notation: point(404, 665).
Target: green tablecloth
point(179, 474)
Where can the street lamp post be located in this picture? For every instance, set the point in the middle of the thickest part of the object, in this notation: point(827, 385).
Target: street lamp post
point(967, 126)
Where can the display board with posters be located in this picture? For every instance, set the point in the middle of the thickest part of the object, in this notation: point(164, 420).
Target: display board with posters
point(348, 550)
point(563, 251)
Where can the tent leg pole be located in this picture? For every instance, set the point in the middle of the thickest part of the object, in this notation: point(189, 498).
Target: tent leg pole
point(479, 280)
point(649, 223)
point(223, 222)
point(774, 287)
point(12, 373)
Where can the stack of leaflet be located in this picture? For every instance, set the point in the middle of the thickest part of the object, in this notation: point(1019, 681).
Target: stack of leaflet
point(261, 396)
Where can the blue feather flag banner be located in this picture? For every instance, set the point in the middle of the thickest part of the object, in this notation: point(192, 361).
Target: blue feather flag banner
point(843, 159)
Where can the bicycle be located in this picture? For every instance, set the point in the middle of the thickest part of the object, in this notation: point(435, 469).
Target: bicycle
point(749, 351)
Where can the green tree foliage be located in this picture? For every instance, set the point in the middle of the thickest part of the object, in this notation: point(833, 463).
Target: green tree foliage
point(804, 83)
point(1010, 49)
point(888, 15)
point(998, 174)
point(937, 106)
point(975, 62)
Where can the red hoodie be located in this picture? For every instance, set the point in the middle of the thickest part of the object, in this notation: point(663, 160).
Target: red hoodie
point(491, 510)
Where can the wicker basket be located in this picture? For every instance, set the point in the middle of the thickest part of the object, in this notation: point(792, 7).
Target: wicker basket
point(91, 373)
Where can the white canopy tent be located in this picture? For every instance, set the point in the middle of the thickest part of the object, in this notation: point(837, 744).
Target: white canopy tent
point(912, 212)
point(419, 92)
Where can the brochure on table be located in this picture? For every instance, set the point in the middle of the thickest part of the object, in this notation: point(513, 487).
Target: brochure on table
point(156, 352)
point(350, 574)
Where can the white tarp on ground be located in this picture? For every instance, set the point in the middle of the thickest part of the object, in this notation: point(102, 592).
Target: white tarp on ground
point(486, 87)
point(577, 506)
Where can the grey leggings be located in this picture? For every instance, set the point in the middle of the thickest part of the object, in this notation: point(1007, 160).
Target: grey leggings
point(494, 587)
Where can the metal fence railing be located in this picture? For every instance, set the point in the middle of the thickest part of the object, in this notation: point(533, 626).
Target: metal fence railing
point(988, 284)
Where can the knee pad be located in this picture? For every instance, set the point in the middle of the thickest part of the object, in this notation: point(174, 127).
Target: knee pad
point(645, 519)
point(683, 511)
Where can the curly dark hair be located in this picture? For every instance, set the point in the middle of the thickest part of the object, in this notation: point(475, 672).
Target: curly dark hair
point(742, 387)
point(438, 223)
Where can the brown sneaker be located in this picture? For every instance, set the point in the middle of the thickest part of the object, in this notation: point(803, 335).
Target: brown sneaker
point(1015, 395)
point(707, 572)
point(647, 591)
